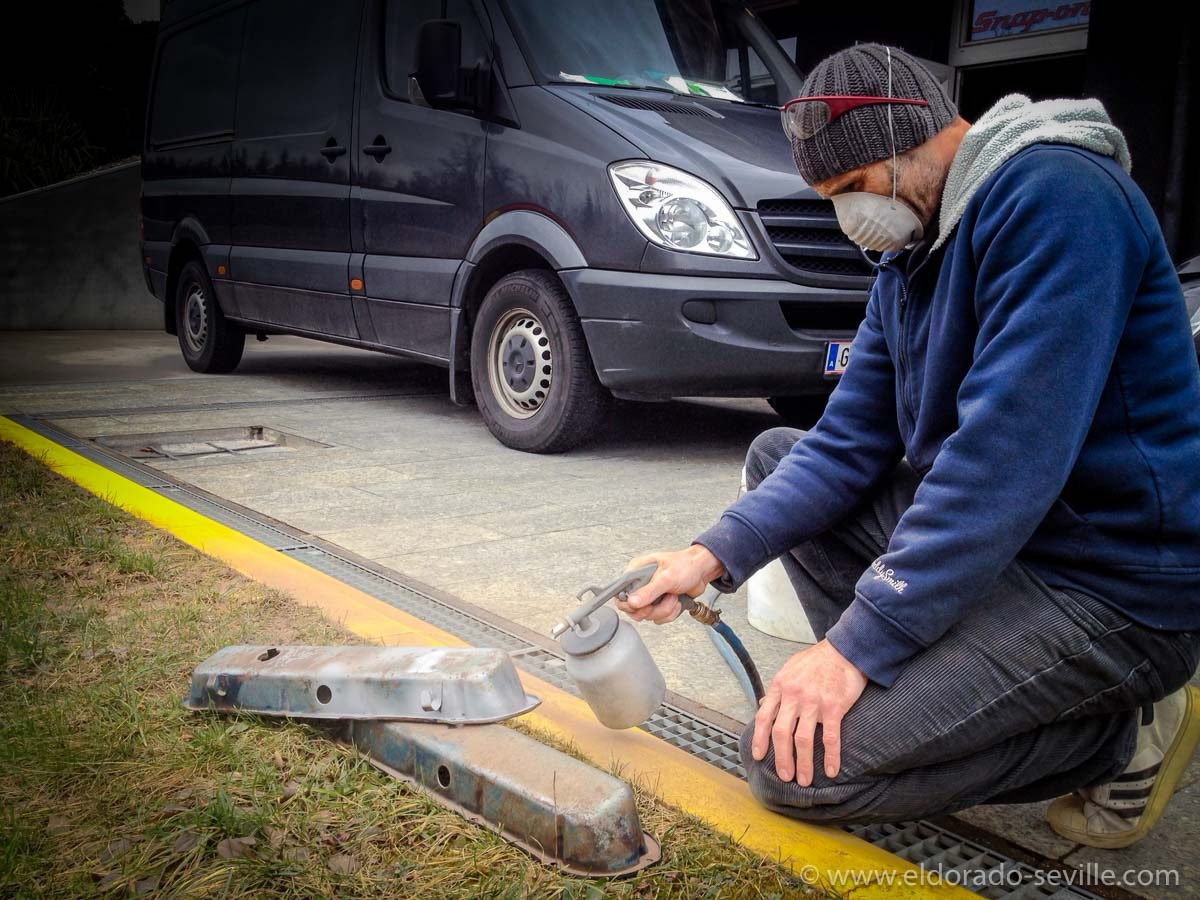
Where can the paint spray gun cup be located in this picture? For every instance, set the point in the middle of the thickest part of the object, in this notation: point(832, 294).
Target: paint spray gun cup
point(607, 658)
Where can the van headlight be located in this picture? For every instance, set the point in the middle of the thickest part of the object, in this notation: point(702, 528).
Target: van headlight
point(679, 211)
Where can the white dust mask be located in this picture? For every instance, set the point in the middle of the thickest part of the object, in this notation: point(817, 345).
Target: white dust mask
point(876, 222)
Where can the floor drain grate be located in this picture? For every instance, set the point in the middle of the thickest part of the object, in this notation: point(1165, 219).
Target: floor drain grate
point(985, 872)
point(923, 843)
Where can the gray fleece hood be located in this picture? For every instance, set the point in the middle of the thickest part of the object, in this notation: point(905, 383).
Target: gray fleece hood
point(1012, 124)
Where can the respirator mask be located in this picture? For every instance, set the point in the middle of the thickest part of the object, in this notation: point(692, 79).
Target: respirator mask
point(875, 222)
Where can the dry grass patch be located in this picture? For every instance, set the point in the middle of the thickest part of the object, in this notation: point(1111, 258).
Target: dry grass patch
point(107, 785)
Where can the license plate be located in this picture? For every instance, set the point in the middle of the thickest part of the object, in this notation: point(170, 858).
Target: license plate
point(837, 354)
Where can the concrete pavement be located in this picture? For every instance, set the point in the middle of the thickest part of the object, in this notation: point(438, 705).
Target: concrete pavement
point(419, 486)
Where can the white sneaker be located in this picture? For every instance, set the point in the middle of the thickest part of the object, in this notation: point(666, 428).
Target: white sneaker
point(1123, 811)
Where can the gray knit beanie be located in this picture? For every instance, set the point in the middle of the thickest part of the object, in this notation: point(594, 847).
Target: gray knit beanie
point(860, 136)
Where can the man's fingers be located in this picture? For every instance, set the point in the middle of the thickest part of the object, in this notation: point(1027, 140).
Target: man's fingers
point(640, 615)
point(654, 588)
point(763, 720)
point(805, 729)
point(665, 610)
point(781, 739)
point(831, 738)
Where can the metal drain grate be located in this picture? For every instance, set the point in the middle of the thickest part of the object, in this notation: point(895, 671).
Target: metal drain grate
point(713, 745)
point(984, 871)
point(923, 843)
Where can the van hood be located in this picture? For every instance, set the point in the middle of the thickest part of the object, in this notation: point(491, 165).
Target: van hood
point(739, 149)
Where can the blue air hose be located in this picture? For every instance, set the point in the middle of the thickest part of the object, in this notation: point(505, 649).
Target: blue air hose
point(734, 652)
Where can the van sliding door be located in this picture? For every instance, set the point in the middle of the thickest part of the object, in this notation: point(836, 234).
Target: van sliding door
point(291, 165)
point(418, 193)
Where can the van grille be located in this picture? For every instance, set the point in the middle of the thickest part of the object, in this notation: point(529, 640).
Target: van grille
point(807, 236)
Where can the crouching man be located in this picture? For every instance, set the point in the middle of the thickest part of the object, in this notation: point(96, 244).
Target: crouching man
point(994, 529)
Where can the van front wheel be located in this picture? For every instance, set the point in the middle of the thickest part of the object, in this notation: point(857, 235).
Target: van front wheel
point(210, 342)
point(534, 382)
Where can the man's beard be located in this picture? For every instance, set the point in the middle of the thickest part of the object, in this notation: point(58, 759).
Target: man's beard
point(919, 183)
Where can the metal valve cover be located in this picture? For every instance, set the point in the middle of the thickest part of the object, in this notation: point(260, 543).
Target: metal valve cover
point(452, 685)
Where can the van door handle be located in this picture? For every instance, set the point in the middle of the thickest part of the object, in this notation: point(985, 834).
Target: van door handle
point(378, 148)
point(332, 151)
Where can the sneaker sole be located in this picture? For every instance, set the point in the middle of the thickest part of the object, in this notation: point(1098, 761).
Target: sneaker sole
point(1174, 764)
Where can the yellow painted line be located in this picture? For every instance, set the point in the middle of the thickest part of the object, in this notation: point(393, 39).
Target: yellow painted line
point(724, 802)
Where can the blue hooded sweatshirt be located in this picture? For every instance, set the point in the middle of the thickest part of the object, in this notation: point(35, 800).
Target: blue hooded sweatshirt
point(1035, 365)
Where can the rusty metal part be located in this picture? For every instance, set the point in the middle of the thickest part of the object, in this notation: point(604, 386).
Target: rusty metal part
point(453, 685)
point(562, 811)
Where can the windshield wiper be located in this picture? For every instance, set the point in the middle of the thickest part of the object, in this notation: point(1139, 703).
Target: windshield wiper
point(623, 87)
point(664, 89)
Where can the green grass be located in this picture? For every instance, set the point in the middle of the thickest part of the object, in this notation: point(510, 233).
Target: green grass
point(108, 786)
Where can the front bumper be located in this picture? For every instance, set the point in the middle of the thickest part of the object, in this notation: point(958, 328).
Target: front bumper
point(664, 336)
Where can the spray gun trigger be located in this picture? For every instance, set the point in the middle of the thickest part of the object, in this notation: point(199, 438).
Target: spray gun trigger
point(628, 581)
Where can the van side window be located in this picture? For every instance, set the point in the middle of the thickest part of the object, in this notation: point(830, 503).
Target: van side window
point(760, 83)
point(297, 70)
point(196, 82)
point(401, 23)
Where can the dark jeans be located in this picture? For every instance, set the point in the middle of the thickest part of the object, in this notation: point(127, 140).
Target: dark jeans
point(1036, 692)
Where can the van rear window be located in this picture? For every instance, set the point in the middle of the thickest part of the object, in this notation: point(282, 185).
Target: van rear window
point(196, 82)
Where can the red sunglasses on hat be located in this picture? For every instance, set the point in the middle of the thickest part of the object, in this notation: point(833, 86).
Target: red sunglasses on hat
point(808, 116)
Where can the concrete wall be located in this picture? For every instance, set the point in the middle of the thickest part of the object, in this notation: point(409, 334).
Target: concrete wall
point(69, 256)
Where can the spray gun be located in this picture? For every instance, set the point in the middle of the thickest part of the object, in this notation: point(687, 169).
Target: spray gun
point(612, 667)
point(629, 581)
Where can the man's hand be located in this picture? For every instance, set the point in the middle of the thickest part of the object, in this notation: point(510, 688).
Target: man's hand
point(815, 685)
point(679, 572)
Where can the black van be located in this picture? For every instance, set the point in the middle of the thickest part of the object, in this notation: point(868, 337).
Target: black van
point(559, 202)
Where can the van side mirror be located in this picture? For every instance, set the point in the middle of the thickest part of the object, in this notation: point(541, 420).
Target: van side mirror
point(438, 75)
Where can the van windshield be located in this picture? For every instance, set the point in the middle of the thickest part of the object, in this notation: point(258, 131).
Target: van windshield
point(706, 48)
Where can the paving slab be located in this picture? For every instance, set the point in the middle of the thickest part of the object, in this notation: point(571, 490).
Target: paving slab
point(418, 485)
point(433, 537)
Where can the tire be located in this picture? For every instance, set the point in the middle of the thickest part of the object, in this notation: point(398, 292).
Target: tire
point(533, 377)
point(210, 342)
point(802, 411)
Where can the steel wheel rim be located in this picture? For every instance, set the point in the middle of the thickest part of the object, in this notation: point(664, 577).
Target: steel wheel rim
point(195, 319)
point(520, 363)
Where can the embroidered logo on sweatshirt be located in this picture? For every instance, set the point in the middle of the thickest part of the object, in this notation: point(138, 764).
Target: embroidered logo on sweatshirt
point(888, 577)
